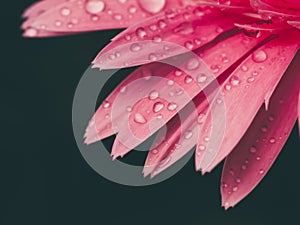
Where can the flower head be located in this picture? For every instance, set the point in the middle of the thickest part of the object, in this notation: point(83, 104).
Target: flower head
point(234, 97)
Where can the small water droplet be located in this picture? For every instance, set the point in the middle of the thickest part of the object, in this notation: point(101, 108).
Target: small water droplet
point(271, 118)
point(158, 106)
point(238, 180)
point(235, 188)
point(257, 158)
point(106, 105)
point(178, 73)
point(157, 39)
point(153, 95)
point(252, 149)
point(58, 23)
point(139, 118)
point(188, 79)
point(170, 82)
point(132, 9)
point(244, 68)
point(129, 109)
point(250, 79)
point(261, 171)
point(152, 57)
point(154, 151)
point(259, 56)
point(140, 32)
point(162, 24)
point(234, 80)
point(65, 11)
point(254, 73)
point(206, 139)
point(201, 78)
point(201, 147)
point(31, 32)
point(188, 134)
point(118, 17)
point(189, 45)
point(172, 106)
point(272, 140)
point(135, 47)
point(264, 129)
point(244, 167)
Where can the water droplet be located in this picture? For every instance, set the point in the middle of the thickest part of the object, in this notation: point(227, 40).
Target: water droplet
point(139, 118)
point(132, 9)
point(250, 79)
point(157, 39)
point(152, 6)
point(129, 109)
point(201, 78)
point(259, 56)
point(264, 129)
point(154, 151)
point(106, 105)
point(178, 73)
point(201, 118)
point(252, 149)
point(65, 11)
point(201, 147)
point(172, 106)
point(255, 73)
point(118, 17)
point(162, 24)
point(238, 180)
point(189, 45)
point(127, 37)
point(58, 23)
point(244, 68)
point(31, 32)
point(123, 89)
point(140, 32)
point(235, 188)
point(228, 87)
point(188, 79)
point(170, 82)
point(271, 118)
point(153, 27)
point(197, 41)
point(215, 68)
point(158, 106)
point(272, 140)
point(231, 172)
point(206, 139)
point(135, 47)
point(188, 134)
point(152, 57)
point(153, 95)
point(234, 80)
point(192, 64)
point(261, 171)
point(258, 158)
point(244, 167)
point(94, 6)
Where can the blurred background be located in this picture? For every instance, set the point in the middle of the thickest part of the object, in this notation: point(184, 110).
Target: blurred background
point(45, 180)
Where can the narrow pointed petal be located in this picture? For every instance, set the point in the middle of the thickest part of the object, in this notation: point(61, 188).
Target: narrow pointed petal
point(249, 84)
point(181, 137)
point(254, 155)
point(165, 35)
point(34, 33)
point(90, 15)
point(186, 88)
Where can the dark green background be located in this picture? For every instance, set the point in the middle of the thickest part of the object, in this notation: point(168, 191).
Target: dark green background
point(44, 179)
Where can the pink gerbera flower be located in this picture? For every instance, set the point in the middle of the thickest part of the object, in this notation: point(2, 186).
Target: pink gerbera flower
point(246, 61)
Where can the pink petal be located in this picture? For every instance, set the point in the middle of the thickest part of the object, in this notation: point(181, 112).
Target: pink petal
point(256, 152)
point(250, 84)
point(40, 7)
point(89, 15)
point(184, 89)
point(299, 112)
point(34, 33)
point(167, 34)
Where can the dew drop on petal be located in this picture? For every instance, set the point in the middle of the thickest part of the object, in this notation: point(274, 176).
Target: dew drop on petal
point(261, 171)
point(139, 118)
point(202, 78)
point(135, 47)
point(153, 95)
point(132, 9)
point(106, 105)
point(158, 106)
point(172, 106)
point(259, 56)
point(152, 6)
point(192, 64)
point(170, 82)
point(264, 129)
point(234, 81)
point(188, 134)
point(65, 11)
point(188, 79)
point(235, 188)
point(201, 147)
point(252, 149)
point(178, 73)
point(94, 6)
point(154, 151)
point(140, 32)
point(31, 32)
point(272, 140)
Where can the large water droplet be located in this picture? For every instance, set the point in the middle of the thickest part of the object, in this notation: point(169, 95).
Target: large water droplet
point(139, 118)
point(152, 6)
point(259, 56)
point(158, 106)
point(94, 6)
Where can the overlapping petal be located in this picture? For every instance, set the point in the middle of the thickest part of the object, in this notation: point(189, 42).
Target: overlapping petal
point(256, 152)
